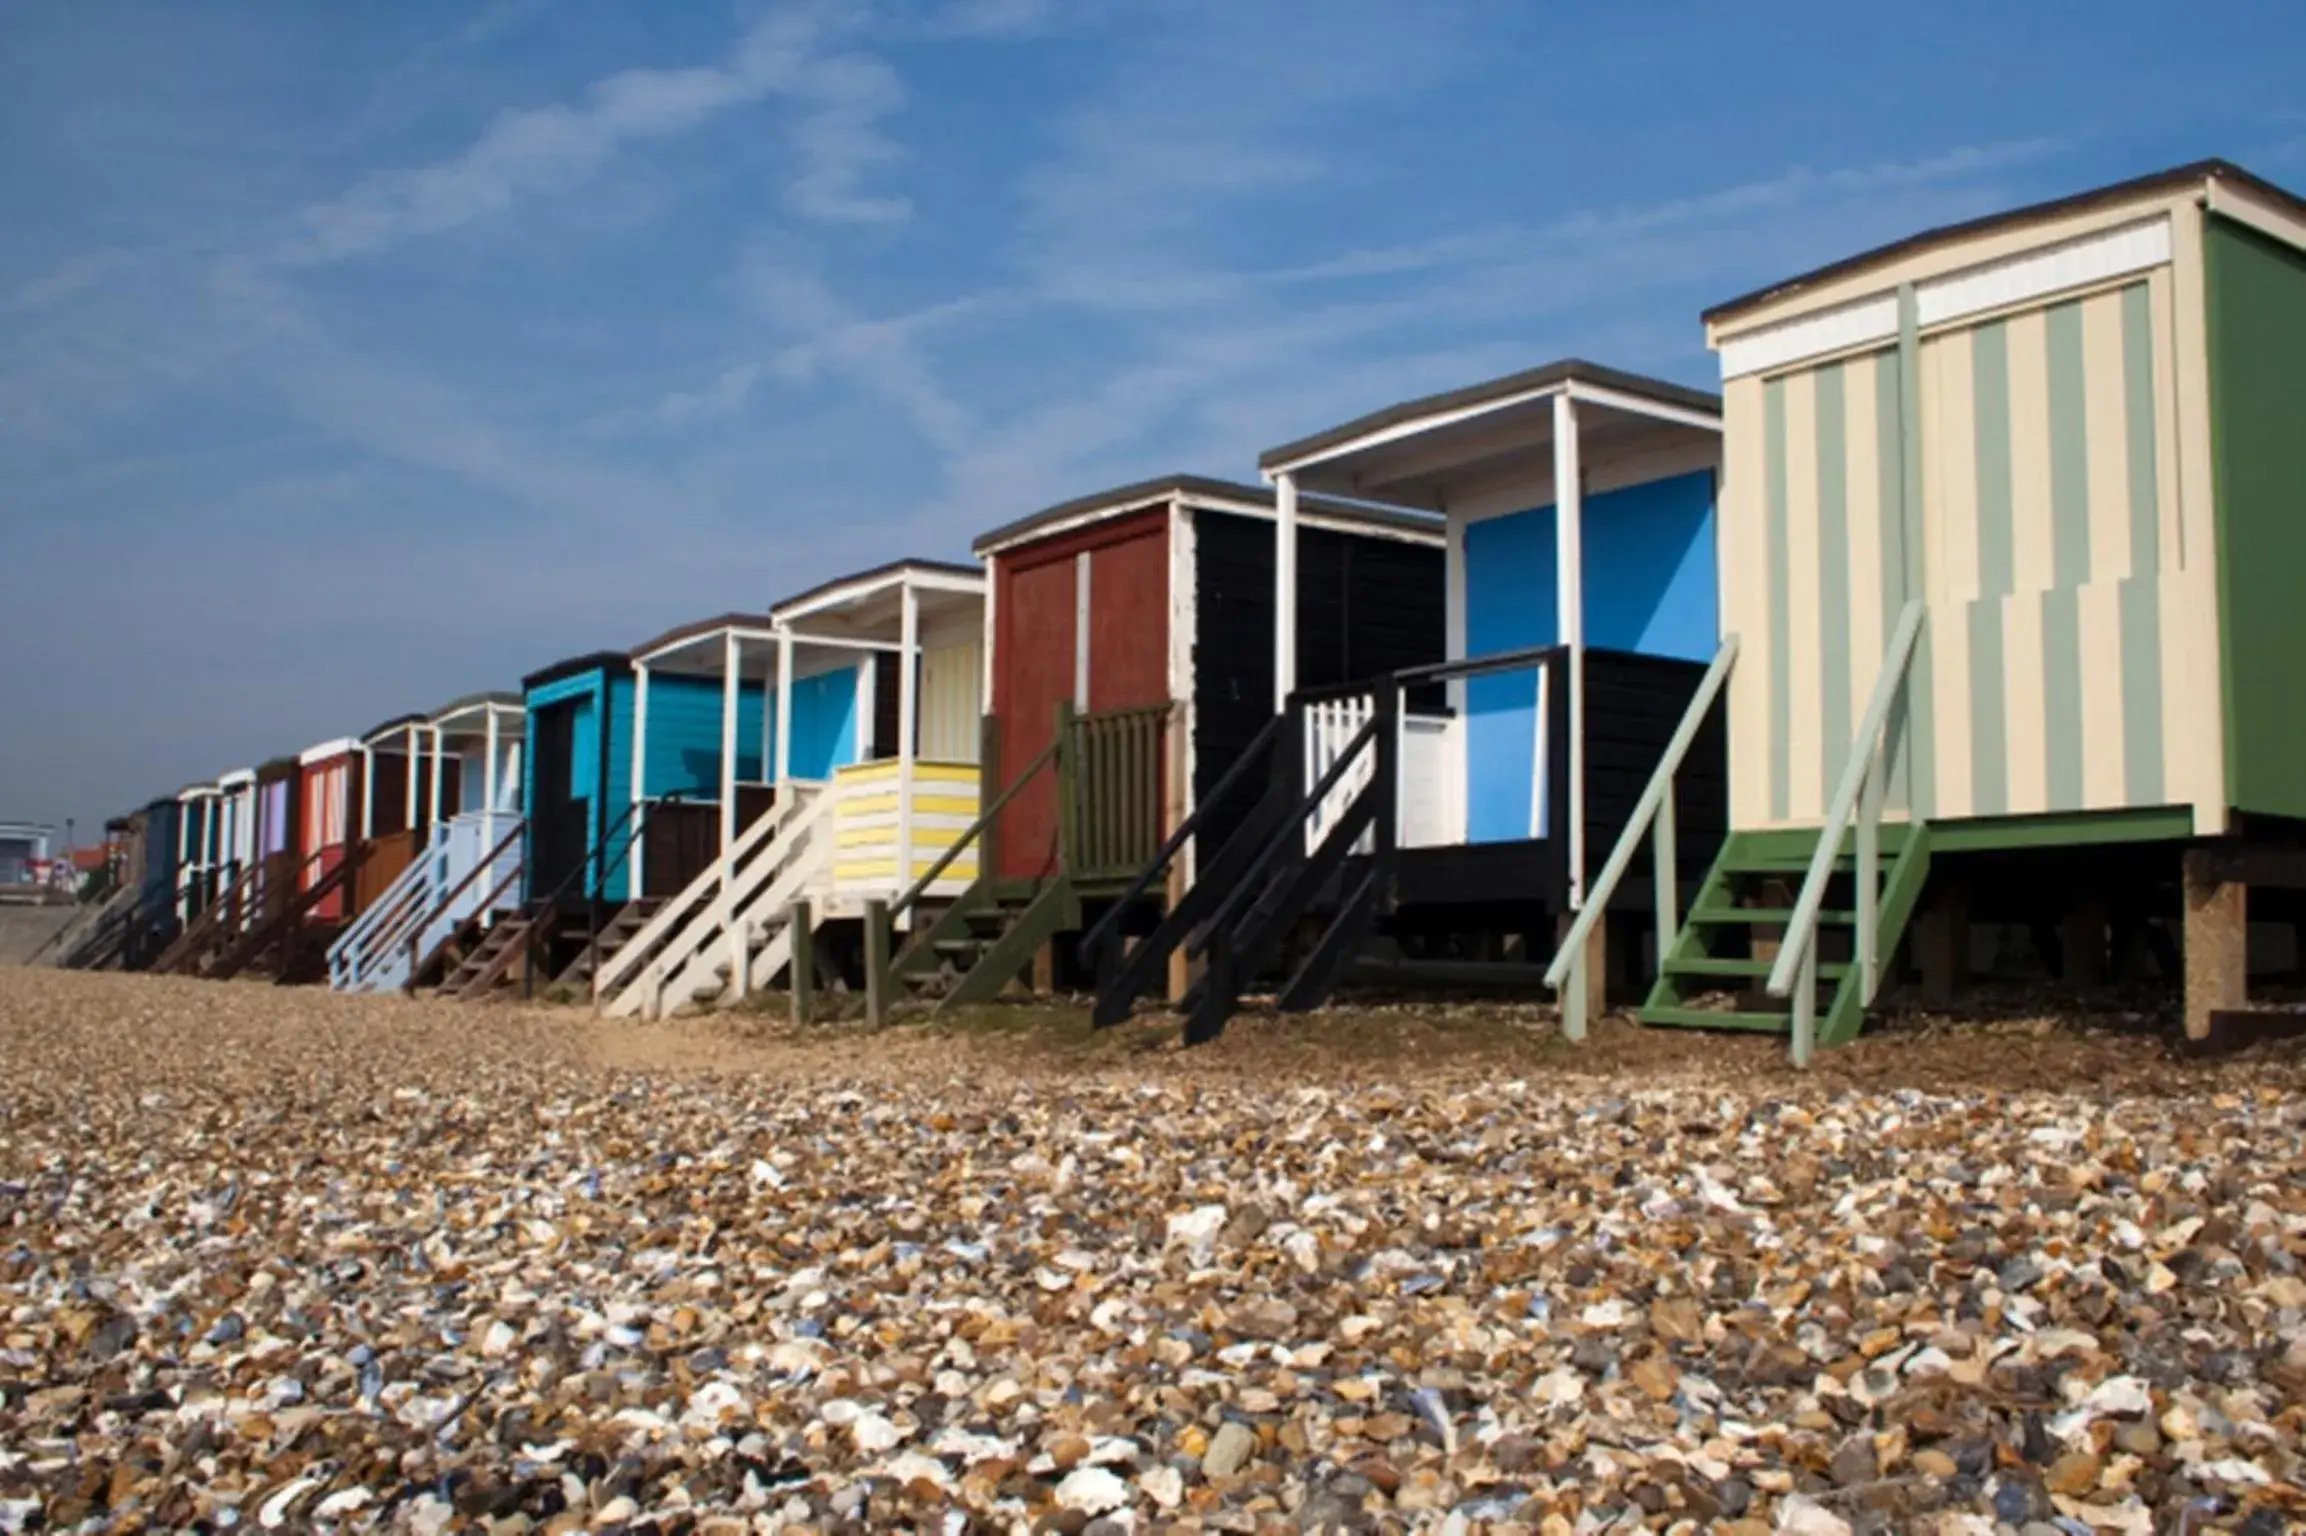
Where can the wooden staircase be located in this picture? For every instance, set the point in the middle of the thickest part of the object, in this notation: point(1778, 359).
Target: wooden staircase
point(477, 972)
point(1713, 972)
point(985, 939)
point(613, 936)
point(1318, 854)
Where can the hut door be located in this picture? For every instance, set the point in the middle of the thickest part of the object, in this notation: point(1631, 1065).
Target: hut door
point(557, 822)
point(1037, 618)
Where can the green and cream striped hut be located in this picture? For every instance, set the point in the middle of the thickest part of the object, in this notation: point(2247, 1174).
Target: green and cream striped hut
point(2076, 433)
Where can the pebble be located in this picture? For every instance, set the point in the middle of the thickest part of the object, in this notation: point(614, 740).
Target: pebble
point(271, 1260)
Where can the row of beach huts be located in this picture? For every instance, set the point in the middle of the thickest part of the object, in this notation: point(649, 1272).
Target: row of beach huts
point(1971, 602)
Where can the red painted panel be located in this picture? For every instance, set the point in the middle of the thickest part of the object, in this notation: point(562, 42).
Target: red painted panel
point(1129, 621)
point(329, 821)
point(1033, 674)
point(1033, 654)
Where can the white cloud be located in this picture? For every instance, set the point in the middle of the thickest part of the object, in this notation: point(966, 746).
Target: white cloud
point(839, 98)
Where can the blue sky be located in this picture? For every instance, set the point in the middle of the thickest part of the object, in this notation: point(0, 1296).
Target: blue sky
point(353, 357)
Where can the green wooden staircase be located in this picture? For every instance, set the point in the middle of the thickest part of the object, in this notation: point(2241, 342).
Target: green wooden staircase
point(1726, 946)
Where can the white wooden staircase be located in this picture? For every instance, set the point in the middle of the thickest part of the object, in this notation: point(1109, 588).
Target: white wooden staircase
point(730, 930)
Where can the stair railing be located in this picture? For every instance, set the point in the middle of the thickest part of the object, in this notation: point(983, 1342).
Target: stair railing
point(381, 925)
point(701, 894)
point(1653, 812)
point(595, 867)
point(1858, 798)
point(1101, 948)
point(884, 920)
point(411, 933)
point(1353, 795)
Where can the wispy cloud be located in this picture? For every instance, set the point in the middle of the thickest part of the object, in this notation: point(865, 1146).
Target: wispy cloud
point(839, 98)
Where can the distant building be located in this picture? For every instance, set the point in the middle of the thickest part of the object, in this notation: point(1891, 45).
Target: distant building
point(26, 865)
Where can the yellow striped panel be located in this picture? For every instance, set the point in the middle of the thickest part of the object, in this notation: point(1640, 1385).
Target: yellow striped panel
point(2032, 528)
point(2102, 722)
point(2024, 687)
point(1806, 800)
point(2107, 432)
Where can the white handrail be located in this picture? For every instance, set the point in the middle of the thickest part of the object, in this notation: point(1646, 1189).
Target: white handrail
point(1654, 804)
point(700, 891)
point(1796, 966)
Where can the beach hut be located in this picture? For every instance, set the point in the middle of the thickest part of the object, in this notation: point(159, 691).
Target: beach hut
point(404, 793)
point(586, 831)
point(453, 860)
point(1443, 807)
point(868, 741)
point(1132, 660)
point(328, 842)
point(2013, 537)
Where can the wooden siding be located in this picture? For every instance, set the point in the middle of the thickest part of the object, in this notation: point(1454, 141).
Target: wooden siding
point(865, 861)
point(1035, 652)
point(2048, 551)
point(1366, 605)
point(2257, 318)
point(952, 684)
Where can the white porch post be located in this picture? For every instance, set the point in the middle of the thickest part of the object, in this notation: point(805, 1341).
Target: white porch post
point(640, 759)
point(367, 792)
point(408, 755)
point(784, 720)
point(732, 658)
point(488, 778)
point(1284, 589)
point(432, 797)
point(908, 674)
point(1569, 577)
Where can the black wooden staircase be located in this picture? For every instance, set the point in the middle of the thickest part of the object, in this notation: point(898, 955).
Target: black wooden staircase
point(1306, 856)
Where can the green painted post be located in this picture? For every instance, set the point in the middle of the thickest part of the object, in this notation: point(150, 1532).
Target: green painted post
point(1667, 880)
point(1573, 1000)
point(877, 976)
point(1068, 785)
point(804, 962)
point(989, 788)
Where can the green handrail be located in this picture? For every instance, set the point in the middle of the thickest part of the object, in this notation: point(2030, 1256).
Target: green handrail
point(1795, 973)
point(1655, 804)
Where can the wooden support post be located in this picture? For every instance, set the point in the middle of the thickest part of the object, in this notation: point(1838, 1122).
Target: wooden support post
point(1174, 811)
point(2217, 951)
point(1590, 981)
point(1045, 969)
point(1942, 942)
point(876, 962)
point(2084, 940)
point(803, 948)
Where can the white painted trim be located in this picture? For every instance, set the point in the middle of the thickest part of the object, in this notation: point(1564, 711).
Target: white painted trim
point(1081, 658)
point(2245, 206)
point(1313, 516)
point(367, 792)
point(704, 637)
point(2019, 279)
point(868, 709)
point(238, 778)
point(732, 694)
point(858, 587)
point(489, 774)
point(991, 628)
point(908, 705)
point(341, 746)
point(1285, 551)
point(2038, 274)
point(640, 770)
point(1569, 575)
point(784, 721)
point(1640, 405)
point(1184, 623)
point(1453, 617)
point(836, 642)
point(408, 750)
point(1414, 427)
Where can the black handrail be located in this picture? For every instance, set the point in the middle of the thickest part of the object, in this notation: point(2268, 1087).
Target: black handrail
point(629, 826)
point(1107, 928)
point(1295, 818)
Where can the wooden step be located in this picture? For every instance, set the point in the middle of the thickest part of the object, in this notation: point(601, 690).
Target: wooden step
point(1714, 965)
point(1717, 1018)
point(1729, 916)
